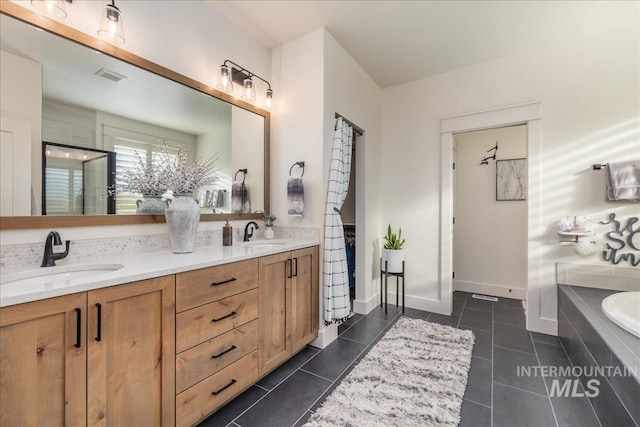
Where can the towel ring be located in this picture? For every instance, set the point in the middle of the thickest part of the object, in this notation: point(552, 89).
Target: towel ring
point(301, 164)
point(244, 174)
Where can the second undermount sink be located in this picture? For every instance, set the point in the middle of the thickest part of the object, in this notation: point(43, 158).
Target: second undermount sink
point(266, 244)
point(63, 273)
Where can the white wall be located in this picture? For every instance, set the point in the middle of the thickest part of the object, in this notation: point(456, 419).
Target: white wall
point(590, 109)
point(490, 236)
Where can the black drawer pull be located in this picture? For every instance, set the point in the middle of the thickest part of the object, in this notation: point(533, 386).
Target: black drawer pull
point(233, 313)
point(99, 327)
point(215, 393)
point(233, 279)
point(290, 268)
point(215, 356)
point(78, 328)
point(295, 260)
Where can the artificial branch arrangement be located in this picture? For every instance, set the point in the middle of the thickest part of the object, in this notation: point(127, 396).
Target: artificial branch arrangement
point(147, 177)
point(186, 179)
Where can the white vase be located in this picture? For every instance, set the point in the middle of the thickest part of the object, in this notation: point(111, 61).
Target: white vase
point(269, 233)
point(183, 216)
point(392, 259)
point(150, 205)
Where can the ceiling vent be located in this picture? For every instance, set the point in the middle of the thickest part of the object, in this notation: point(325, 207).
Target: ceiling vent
point(110, 75)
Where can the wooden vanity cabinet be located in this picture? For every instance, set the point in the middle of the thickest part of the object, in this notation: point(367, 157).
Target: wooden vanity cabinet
point(103, 357)
point(288, 305)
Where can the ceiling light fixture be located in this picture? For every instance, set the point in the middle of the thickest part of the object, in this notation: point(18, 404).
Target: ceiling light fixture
point(53, 8)
point(111, 28)
point(244, 77)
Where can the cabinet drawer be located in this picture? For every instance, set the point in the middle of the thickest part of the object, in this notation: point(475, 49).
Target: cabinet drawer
point(197, 363)
point(197, 402)
point(208, 321)
point(194, 288)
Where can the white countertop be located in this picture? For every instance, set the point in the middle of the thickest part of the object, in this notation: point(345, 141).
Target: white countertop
point(135, 267)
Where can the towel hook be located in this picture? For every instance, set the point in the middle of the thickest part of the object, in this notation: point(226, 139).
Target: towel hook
point(244, 174)
point(301, 164)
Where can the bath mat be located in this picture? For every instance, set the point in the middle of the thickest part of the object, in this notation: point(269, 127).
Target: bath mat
point(415, 375)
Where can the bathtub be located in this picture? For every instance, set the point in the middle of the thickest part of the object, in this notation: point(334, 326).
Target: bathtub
point(623, 309)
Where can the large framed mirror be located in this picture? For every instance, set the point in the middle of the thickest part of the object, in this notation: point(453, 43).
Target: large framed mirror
point(73, 90)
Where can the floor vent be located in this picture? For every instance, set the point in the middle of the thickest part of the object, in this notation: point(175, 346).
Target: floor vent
point(485, 297)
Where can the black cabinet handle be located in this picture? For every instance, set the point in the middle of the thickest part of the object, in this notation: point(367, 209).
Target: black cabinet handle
point(78, 328)
point(296, 262)
point(215, 393)
point(233, 313)
point(233, 279)
point(215, 356)
point(99, 335)
point(290, 267)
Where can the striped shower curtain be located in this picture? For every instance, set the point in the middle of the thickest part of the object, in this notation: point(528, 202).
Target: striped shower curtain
point(335, 280)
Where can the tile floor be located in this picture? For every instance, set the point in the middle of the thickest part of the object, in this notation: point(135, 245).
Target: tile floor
point(495, 396)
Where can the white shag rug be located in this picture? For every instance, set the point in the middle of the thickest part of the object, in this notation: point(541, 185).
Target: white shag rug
point(415, 375)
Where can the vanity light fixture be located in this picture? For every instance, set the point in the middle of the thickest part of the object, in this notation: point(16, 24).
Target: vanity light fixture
point(111, 28)
point(53, 8)
point(238, 74)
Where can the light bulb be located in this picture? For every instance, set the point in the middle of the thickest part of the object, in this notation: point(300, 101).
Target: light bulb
point(224, 79)
point(54, 8)
point(249, 94)
point(111, 28)
point(268, 102)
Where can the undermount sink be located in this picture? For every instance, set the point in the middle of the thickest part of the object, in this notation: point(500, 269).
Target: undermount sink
point(63, 273)
point(271, 244)
point(623, 309)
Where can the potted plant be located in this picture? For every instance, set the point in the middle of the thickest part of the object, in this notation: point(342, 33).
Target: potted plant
point(268, 224)
point(183, 213)
point(392, 253)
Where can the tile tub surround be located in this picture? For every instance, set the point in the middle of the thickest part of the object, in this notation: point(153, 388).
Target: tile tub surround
point(495, 395)
point(30, 254)
point(592, 340)
point(139, 266)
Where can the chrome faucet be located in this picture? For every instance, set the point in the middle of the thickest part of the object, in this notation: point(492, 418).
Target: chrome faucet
point(248, 234)
point(49, 258)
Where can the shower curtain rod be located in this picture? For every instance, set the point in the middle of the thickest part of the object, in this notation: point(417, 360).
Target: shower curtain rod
point(355, 127)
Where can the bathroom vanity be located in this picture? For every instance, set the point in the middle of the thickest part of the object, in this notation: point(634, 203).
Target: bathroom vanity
point(165, 340)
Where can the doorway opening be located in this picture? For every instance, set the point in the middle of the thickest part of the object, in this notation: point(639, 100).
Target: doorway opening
point(348, 215)
point(490, 212)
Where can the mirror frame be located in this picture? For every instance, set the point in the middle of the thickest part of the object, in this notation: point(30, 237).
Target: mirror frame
point(43, 221)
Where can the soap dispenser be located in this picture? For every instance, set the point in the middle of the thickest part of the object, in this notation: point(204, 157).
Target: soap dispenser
point(227, 234)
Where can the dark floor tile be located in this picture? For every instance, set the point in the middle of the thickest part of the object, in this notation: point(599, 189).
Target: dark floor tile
point(513, 407)
point(416, 314)
point(607, 405)
point(344, 327)
point(287, 403)
point(231, 410)
point(509, 316)
point(627, 388)
point(353, 319)
point(478, 304)
point(509, 302)
point(379, 313)
point(483, 343)
point(444, 320)
point(512, 337)
point(474, 415)
point(274, 378)
point(546, 339)
point(506, 366)
point(460, 295)
point(479, 381)
point(553, 357)
point(304, 419)
point(476, 319)
point(365, 330)
point(335, 358)
point(458, 305)
point(574, 411)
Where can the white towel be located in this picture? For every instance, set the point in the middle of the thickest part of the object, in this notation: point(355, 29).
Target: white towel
point(295, 196)
point(623, 181)
point(240, 198)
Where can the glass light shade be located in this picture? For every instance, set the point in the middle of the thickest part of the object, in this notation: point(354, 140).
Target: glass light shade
point(248, 92)
point(225, 82)
point(54, 8)
point(111, 28)
point(268, 102)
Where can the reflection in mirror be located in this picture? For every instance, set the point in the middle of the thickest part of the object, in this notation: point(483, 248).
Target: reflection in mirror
point(81, 98)
point(77, 181)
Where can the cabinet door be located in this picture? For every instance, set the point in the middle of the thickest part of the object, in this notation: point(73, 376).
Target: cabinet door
point(43, 369)
point(274, 324)
point(131, 354)
point(304, 298)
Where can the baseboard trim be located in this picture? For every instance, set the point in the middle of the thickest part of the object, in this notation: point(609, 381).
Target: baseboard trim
point(543, 325)
point(325, 336)
point(418, 303)
point(489, 289)
point(364, 307)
